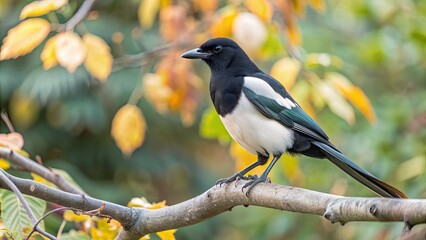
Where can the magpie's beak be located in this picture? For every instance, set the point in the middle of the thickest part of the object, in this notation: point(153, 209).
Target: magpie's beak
point(195, 54)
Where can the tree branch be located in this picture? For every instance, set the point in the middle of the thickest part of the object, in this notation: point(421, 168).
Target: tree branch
point(140, 59)
point(139, 222)
point(220, 199)
point(79, 15)
point(39, 169)
point(146, 57)
point(78, 201)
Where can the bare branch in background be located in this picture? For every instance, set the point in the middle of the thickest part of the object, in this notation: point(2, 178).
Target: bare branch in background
point(146, 57)
point(7, 121)
point(78, 17)
point(140, 59)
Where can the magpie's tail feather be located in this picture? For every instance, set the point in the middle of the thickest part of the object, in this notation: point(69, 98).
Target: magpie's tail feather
point(358, 173)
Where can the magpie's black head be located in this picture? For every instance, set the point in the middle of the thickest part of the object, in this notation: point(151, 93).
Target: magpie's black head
point(220, 54)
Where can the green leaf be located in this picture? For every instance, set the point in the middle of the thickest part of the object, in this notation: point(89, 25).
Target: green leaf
point(14, 216)
point(55, 83)
point(75, 235)
point(211, 127)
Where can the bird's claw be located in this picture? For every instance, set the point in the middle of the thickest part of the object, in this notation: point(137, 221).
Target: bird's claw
point(236, 177)
point(254, 180)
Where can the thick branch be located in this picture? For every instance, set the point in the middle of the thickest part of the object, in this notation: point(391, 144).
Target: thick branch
point(139, 222)
point(39, 169)
point(335, 208)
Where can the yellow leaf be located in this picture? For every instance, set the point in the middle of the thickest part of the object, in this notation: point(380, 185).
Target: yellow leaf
point(48, 55)
point(98, 57)
point(167, 235)
point(299, 7)
point(174, 87)
point(172, 20)
point(143, 203)
point(286, 71)
point(103, 229)
point(207, 7)
point(317, 5)
point(261, 8)
point(70, 50)
point(41, 180)
point(287, 11)
point(354, 94)
point(335, 101)
point(147, 12)
point(222, 25)
point(4, 164)
point(294, 34)
point(24, 110)
point(70, 216)
point(38, 8)
point(157, 91)
point(190, 100)
point(243, 159)
point(23, 38)
point(292, 169)
point(128, 128)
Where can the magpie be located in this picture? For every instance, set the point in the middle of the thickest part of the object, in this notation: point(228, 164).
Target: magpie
point(264, 119)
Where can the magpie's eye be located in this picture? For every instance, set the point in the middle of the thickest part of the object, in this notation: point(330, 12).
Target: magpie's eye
point(217, 49)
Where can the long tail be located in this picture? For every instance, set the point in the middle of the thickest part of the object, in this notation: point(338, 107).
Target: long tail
point(364, 177)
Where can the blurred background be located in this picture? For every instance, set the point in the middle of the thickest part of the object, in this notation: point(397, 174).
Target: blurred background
point(358, 67)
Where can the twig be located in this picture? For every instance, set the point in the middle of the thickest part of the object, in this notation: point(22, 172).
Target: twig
point(7, 232)
point(7, 121)
point(140, 59)
point(34, 167)
point(61, 229)
point(24, 203)
point(78, 16)
point(94, 212)
point(42, 218)
point(291, 50)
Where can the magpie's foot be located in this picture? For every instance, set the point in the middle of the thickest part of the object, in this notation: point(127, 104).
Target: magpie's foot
point(251, 177)
point(232, 178)
point(254, 180)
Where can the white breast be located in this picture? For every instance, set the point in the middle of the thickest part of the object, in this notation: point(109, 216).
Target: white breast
point(256, 133)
